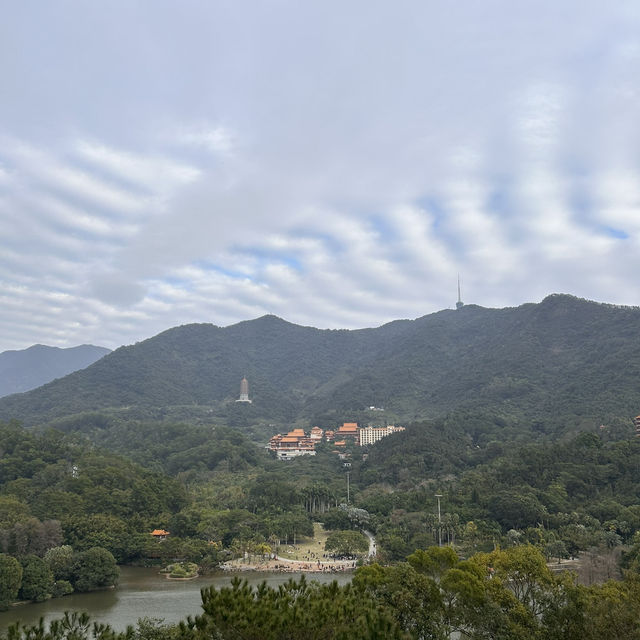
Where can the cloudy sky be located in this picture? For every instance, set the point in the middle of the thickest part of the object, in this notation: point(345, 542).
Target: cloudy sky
point(334, 163)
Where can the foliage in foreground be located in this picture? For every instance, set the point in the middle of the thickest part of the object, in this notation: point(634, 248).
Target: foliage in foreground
point(503, 595)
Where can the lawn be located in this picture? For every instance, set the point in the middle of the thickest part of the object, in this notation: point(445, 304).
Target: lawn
point(305, 546)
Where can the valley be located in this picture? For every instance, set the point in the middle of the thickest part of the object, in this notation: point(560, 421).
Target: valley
point(518, 450)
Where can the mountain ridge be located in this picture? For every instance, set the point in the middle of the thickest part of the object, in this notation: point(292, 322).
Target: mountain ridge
point(25, 369)
point(562, 356)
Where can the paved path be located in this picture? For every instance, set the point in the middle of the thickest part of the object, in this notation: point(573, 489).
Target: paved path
point(372, 544)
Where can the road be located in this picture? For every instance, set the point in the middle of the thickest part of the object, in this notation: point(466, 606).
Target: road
point(372, 544)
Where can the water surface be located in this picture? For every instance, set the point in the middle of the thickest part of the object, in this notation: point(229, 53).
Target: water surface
point(142, 592)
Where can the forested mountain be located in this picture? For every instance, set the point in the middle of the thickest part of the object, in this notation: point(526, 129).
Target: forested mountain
point(539, 362)
point(27, 369)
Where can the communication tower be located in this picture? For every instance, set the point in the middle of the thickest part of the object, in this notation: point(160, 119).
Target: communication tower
point(459, 304)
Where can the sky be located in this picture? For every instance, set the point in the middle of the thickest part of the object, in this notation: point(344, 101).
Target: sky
point(334, 163)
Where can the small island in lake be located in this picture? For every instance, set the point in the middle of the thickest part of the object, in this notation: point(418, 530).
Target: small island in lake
point(181, 571)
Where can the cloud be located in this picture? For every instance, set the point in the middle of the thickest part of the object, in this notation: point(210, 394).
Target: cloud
point(217, 140)
point(334, 164)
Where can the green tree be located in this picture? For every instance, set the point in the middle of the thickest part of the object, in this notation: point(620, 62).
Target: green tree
point(556, 549)
point(10, 580)
point(434, 561)
point(294, 611)
point(60, 561)
point(94, 569)
point(613, 610)
point(12, 510)
point(347, 543)
point(77, 626)
point(516, 509)
point(414, 598)
point(37, 579)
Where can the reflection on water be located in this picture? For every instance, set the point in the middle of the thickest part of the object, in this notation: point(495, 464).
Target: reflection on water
point(143, 593)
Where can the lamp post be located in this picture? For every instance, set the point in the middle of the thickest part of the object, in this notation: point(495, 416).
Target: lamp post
point(347, 487)
point(438, 496)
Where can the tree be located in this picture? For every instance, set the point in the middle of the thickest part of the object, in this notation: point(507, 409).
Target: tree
point(77, 626)
point(347, 543)
point(60, 561)
point(556, 549)
point(336, 519)
point(613, 610)
point(94, 569)
point(294, 611)
point(37, 579)
point(10, 579)
point(434, 561)
point(414, 598)
point(12, 511)
point(522, 574)
point(516, 509)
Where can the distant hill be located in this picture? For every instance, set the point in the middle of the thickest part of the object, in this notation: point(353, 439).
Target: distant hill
point(562, 357)
point(30, 368)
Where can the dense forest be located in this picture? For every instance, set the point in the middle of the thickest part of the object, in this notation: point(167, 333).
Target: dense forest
point(222, 497)
point(546, 365)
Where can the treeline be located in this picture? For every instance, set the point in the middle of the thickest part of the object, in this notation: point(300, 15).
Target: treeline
point(59, 572)
point(503, 595)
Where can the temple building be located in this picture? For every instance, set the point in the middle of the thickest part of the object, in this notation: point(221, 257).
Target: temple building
point(295, 443)
point(348, 430)
point(298, 443)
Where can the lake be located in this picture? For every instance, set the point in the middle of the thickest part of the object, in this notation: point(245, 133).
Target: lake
point(142, 592)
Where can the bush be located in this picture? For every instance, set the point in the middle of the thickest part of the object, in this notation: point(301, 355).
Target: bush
point(61, 588)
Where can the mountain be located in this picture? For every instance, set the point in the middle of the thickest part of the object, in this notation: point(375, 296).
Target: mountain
point(30, 368)
point(537, 362)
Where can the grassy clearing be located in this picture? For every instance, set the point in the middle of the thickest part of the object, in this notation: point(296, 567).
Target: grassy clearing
point(305, 546)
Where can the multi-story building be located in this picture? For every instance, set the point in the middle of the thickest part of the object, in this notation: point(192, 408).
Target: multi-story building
point(297, 443)
point(369, 435)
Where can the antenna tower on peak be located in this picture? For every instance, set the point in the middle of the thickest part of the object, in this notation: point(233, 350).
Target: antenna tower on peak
point(459, 304)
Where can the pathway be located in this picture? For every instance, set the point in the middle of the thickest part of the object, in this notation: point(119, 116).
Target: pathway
point(372, 544)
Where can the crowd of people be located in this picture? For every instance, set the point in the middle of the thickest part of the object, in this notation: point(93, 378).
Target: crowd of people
point(310, 561)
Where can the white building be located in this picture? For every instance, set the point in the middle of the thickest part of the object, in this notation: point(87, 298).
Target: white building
point(369, 435)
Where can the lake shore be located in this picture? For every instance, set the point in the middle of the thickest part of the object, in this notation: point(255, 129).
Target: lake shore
point(282, 565)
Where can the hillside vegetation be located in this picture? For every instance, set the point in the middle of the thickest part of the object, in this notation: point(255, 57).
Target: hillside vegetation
point(564, 357)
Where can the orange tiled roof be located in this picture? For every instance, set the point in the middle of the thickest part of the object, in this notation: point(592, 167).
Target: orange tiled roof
point(159, 532)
